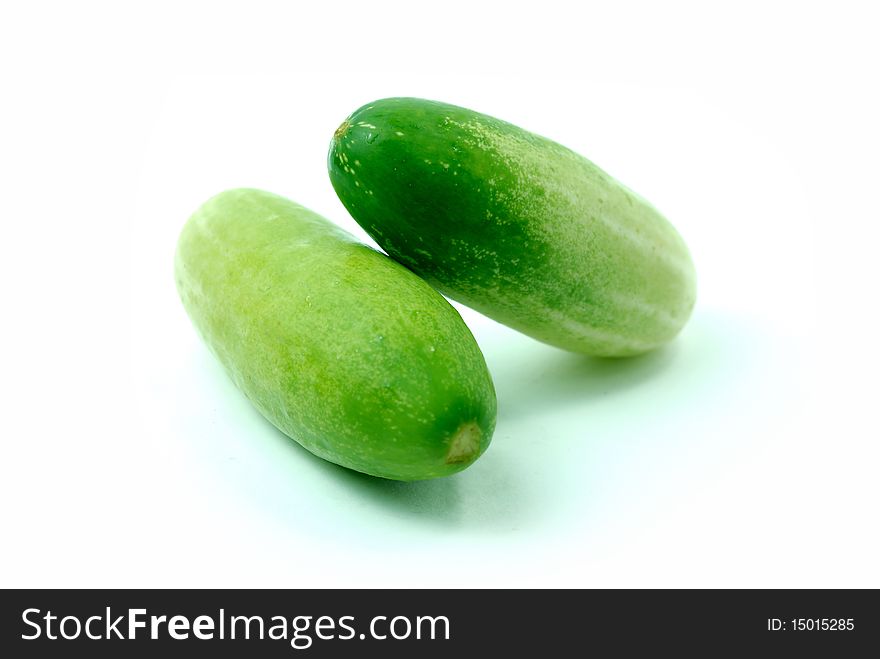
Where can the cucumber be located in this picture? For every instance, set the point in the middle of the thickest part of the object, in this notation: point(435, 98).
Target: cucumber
point(514, 225)
point(341, 348)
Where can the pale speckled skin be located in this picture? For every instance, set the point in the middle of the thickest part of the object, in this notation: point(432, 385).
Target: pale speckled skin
point(346, 351)
point(514, 225)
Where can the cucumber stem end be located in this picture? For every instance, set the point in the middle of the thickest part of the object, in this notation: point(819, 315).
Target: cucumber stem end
point(343, 127)
point(465, 443)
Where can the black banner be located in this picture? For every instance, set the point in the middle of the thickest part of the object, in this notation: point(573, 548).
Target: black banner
point(429, 623)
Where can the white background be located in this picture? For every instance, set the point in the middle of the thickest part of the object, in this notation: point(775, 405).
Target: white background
point(746, 454)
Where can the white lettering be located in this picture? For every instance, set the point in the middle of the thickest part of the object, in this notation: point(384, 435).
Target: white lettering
point(178, 627)
point(24, 618)
point(112, 628)
point(134, 623)
point(203, 628)
point(89, 628)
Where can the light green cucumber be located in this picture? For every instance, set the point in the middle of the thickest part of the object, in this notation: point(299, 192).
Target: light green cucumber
point(341, 348)
point(514, 225)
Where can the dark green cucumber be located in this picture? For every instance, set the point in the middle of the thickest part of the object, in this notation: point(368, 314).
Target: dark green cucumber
point(352, 355)
point(514, 225)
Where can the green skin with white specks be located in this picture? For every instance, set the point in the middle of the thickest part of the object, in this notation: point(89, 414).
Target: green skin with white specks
point(341, 348)
point(514, 225)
